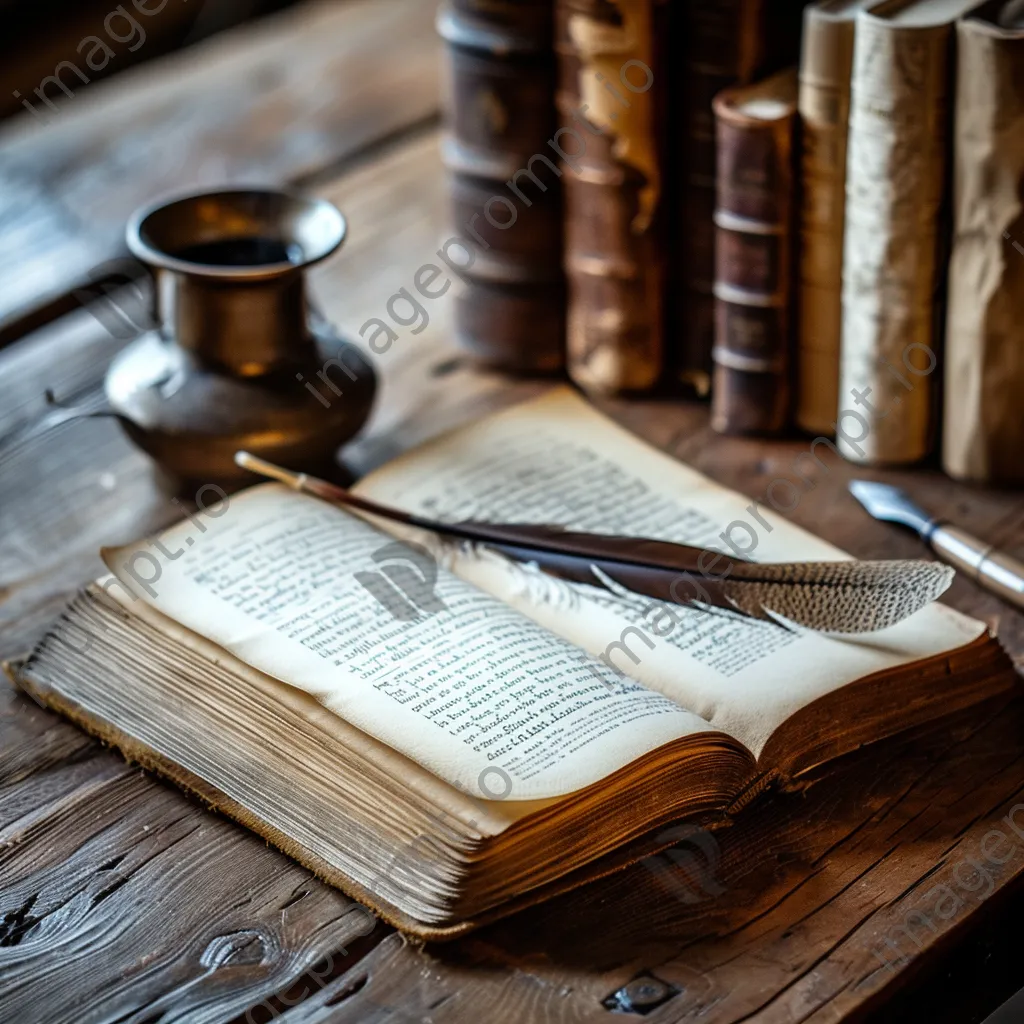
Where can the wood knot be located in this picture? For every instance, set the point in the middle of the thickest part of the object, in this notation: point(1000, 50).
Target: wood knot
point(242, 948)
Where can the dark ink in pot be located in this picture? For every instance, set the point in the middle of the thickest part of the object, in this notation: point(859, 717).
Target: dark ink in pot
point(240, 252)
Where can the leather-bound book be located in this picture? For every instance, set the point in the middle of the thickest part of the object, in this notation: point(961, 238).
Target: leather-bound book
point(896, 229)
point(983, 429)
point(826, 67)
point(753, 255)
point(716, 44)
point(506, 201)
point(610, 97)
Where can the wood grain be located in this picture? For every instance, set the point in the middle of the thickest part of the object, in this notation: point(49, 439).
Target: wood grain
point(274, 102)
point(52, 30)
point(102, 866)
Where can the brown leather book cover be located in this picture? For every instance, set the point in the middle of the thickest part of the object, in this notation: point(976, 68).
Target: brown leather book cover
point(753, 255)
point(718, 44)
point(506, 190)
point(611, 103)
point(640, 197)
point(983, 436)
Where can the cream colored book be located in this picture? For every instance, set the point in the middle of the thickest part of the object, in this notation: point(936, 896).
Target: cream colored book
point(896, 228)
point(826, 66)
point(486, 735)
point(983, 429)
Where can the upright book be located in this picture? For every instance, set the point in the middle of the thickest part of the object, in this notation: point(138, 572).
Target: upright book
point(896, 228)
point(753, 255)
point(826, 66)
point(505, 188)
point(983, 435)
point(610, 99)
point(486, 735)
point(714, 44)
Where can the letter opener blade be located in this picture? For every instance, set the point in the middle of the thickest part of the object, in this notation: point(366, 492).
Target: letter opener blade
point(994, 570)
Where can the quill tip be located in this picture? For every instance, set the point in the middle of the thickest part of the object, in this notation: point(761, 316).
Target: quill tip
point(944, 576)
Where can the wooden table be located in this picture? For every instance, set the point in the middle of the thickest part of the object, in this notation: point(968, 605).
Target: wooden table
point(122, 900)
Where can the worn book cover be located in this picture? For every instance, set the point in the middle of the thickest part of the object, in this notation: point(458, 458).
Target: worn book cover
point(505, 187)
point(896, 228)
point(826, 67)
point(611, 100)
point(754, 255)
point(983, 429)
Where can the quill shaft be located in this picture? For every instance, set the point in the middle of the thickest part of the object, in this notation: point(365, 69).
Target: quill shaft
point(495, 535)
point(843, 596)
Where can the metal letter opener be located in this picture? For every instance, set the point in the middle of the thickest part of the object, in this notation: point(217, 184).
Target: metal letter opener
point(992, 569)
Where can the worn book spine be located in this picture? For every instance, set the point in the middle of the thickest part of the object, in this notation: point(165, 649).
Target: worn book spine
point(753, 259)
point(715, 44)
point(505, 185)
point(897, 170)
point(610, 95)
point(826, 67)
point(983, 429)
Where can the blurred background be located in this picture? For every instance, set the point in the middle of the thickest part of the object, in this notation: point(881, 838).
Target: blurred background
point(38, 34)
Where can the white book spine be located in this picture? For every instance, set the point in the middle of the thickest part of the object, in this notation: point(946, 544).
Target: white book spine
point(824, 108)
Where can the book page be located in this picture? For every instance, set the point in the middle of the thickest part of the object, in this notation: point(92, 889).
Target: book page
point(557, 460)
point(468, 687)
point(448, 803)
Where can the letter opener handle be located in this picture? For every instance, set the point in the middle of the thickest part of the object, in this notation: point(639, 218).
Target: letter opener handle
point(994, 570)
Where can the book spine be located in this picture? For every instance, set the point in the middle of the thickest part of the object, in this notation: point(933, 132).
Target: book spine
point(718, 43)
point(506, 194)
point(610, 88)
point(983, 435)
point(721, 45)
point(895, 201)
point(753, 256)
point(824, 109)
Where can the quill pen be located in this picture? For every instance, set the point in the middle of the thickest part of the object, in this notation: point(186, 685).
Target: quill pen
point(835, 597)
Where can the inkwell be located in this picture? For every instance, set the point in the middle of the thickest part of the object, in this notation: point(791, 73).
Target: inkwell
point(237, 341)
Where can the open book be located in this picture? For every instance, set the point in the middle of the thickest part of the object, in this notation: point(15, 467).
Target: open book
point(446, 735)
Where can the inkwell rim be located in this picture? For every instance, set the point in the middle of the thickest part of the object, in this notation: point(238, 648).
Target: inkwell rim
point(297, 211)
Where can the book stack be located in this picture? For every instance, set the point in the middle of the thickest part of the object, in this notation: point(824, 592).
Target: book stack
point(907, 144)
point(629, 123)
point(779, 236)
point(724, 43)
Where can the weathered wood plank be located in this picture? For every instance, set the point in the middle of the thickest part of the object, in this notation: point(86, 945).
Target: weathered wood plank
point(50, 32)
point(272, 102)
point(67, 492)
point(110, 868)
